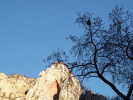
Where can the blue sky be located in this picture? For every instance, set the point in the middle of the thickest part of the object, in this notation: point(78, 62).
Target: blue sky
point(31, 29)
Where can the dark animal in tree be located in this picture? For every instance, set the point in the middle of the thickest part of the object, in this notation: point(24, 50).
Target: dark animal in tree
point(89, 22)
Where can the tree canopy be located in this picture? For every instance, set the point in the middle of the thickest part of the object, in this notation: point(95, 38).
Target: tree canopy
point(103, 50)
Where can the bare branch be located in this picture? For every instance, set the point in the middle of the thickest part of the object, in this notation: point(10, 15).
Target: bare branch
point(127, 48)
point(107, 65)
point(130, 92)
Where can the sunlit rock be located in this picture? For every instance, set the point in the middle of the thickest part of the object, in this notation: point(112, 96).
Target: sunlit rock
point(14, 86)
point(56, 83)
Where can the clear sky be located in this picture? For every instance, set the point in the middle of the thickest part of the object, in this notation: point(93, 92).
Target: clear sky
point(31, 29)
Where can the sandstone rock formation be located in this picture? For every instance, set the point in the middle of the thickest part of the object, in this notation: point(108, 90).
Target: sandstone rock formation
point(56, 83)
point(14, 86)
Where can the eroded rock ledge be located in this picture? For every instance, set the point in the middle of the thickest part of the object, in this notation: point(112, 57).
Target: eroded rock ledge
point(56, 83)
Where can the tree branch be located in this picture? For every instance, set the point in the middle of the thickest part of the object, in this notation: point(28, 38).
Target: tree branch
point(112, 86)
point(74, 65)
point(107, 65)
point(91, 72)
point(127, 52)
point(130, 92)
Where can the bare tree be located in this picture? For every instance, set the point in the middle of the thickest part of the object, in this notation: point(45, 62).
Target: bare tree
point(105, 50)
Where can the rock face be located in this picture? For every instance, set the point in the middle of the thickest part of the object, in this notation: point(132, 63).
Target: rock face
point(56, 83)
point(88, 95)
point(14, 86)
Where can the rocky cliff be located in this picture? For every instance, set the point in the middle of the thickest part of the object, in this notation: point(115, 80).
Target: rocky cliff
point(14, 87)
point(56, 83)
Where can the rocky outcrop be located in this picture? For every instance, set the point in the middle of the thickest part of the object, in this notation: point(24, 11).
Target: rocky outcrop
point(89, 95)
point(14, 86)
point(56, 83)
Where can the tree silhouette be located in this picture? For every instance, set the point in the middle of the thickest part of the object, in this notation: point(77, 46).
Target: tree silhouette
point(105, 50)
